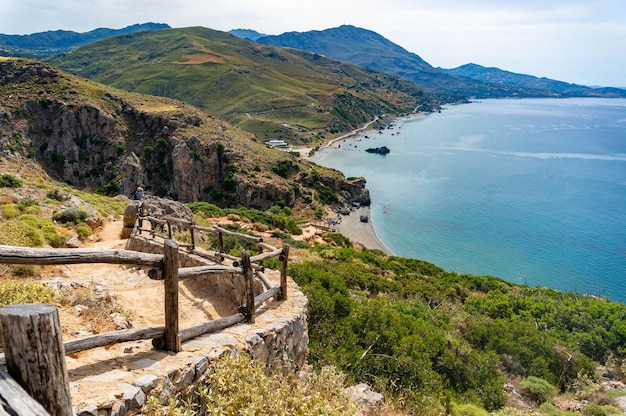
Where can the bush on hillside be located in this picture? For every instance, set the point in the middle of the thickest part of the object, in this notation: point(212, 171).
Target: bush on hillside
point(240, 386)
point(73, 215)
point(13, 292)
point(9, 181)
point(538, 390)
point(468, 410)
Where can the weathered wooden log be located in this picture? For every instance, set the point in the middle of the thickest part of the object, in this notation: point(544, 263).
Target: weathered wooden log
point(266, 295)
point(15, 401)
point(220, 241)
point(170, 267)
point(283, 271)
point(180, 221)
point(266, 246)
point(224, 231)
point(247, 272)
point(213, 257)
point(35, 357)
point(25, 255)
point(114, 337)
point(108, 338)
point(261, 257)
point(237, 261)
point(263, 279)
point(189, 272)
point(210, 326)
point(155, 220)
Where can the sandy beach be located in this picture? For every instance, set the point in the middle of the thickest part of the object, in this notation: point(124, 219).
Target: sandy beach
point(360, 232)
point(350, 225)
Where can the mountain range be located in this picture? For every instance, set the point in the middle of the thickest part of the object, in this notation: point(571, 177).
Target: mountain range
point(54, 42)
point(369, 49)
point(274, 93)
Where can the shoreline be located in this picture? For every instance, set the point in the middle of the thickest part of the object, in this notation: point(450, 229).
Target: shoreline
point(359, 232)
point(350, 225)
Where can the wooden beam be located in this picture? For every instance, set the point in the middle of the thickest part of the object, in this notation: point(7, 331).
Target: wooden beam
point(25, 255)
point(189, 272)
point(35, 357)
point(114, 337)
point(266, 295)
point(210, 326)
point(170, 267)
point(247, 272)
point(15, 401)
point(261, 257)
point(284, 258)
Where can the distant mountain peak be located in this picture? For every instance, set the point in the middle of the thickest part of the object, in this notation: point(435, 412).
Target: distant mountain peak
point(54, 42)
point(248, 34)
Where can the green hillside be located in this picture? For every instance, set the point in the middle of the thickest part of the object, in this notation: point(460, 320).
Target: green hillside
point(271, 92)
point(54, 42)
point(98, 138)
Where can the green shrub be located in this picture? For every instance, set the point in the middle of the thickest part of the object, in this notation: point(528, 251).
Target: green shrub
point(13, 292)
point(239, 386)
point(538, 390)
point(57, 196)
point(593, 409)
point(25, 203)
point(73, 214)
point(83, 231)
point(468, 410)
point(9, 181)
point(9, 211)
point(24, 270)
point(337, 239)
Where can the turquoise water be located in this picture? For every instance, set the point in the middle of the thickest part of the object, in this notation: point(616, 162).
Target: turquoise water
point(531, 190)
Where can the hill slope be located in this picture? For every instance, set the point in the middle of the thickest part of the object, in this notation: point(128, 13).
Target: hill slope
point(369, 49)
point(500, 77)
point(269, 91)
point(38, 45)
point(96, 137)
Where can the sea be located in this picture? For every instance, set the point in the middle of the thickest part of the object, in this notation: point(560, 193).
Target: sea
point(532, 191)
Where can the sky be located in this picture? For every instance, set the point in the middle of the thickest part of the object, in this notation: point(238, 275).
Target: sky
point(577, 41)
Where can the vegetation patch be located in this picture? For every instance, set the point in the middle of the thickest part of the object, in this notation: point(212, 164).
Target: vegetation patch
point(239, 386)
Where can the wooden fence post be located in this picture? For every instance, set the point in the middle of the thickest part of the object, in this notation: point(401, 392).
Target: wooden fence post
point(284, 259)
point(220, 239)
point(170, 269)
point(193, 239)
point(139, 215)
point(247, 272)
point(35, 356)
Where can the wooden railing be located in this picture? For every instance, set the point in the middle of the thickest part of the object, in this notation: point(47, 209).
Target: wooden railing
point(168, 337)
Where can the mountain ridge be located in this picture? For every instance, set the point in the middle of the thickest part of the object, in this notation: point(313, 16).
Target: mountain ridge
point(502, 77)
point(53, 42)
point(366, 48)
point(275, 93)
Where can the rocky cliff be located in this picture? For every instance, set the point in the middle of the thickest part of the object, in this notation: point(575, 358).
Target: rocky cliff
point(98, 138)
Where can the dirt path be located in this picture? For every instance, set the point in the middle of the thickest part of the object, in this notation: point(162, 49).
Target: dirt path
point(138, 298)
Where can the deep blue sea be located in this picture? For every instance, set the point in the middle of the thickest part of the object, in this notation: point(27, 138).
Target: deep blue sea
point(529, 190)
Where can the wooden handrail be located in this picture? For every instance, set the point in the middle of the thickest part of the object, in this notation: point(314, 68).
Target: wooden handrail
point(26, 255)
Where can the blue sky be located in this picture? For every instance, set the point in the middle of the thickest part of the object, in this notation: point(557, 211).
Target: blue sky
point(579, 41)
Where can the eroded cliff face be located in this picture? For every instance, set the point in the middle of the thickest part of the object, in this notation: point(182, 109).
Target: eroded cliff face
point(110, 146)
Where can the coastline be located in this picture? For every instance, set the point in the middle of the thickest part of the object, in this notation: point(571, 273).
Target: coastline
point(359, 232)
point(350, 225)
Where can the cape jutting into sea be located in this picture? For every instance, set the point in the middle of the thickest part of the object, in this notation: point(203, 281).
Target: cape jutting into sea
point(529, 190)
